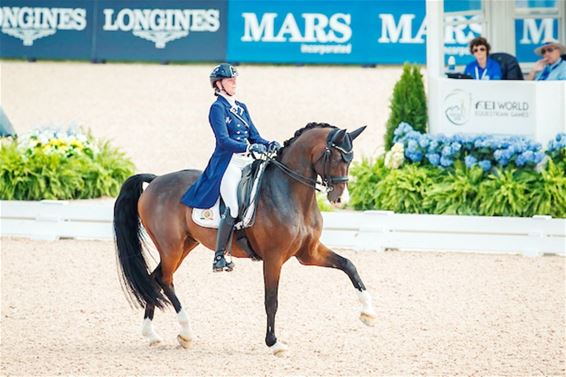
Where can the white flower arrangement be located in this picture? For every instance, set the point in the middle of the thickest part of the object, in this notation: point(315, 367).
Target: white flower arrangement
point(50, 140)
point(395, 157)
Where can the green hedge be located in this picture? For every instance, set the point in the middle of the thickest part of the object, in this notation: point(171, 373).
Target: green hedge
point(408, 103)
point(60, 165)
point(460, 190)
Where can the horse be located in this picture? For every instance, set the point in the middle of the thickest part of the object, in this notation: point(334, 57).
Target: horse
point(288, 224)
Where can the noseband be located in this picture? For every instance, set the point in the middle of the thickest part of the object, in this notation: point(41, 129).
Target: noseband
point(328, 181)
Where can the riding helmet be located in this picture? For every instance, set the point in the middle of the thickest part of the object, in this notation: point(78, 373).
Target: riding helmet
point(222, 71)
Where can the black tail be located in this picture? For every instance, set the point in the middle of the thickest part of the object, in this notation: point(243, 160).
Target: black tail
point(127, 229)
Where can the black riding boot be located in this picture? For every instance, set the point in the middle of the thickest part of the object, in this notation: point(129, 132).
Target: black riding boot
point(223, 238)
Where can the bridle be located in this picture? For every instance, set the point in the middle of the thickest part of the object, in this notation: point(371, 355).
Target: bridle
point(327, 181)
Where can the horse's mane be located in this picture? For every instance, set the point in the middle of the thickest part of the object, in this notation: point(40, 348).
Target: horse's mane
point(298, 133)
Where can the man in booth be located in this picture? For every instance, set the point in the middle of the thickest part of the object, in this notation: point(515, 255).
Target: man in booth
point(551, 66)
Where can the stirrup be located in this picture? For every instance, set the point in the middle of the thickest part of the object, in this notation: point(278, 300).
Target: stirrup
point(220, 264)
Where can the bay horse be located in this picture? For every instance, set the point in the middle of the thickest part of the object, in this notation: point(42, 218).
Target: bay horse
point(288, 224)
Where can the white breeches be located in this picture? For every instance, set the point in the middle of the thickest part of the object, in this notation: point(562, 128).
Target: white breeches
point(230, 180)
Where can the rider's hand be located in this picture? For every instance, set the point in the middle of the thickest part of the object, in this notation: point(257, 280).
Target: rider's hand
point(539, 65)
point(257, 148)
point(273, 146)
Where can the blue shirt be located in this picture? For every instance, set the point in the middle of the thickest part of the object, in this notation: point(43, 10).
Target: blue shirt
point(556, 71)
point(492, 71)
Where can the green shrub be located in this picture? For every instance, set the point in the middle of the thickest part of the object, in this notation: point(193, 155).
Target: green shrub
point(366, 175)
point(408, 103)
point(547, 191)
point(55, 165)
point(404, 190)
point(456, 191)
point(460, 190)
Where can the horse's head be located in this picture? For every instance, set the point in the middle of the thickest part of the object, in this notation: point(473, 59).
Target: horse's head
point(333, 162)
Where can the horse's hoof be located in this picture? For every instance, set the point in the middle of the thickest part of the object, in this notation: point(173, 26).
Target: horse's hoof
point(279, 349)
point(368, 319)
point(184, 341)
point(155, 343)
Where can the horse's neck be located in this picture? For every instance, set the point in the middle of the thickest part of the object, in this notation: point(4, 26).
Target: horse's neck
point(295, 193)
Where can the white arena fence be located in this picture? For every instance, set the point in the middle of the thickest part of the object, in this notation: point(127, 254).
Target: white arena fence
point(369, 230)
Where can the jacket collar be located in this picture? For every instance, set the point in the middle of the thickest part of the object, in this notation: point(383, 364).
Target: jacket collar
point(227, 104)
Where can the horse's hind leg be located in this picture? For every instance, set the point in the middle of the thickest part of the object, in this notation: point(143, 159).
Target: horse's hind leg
point(324, 257)
point(165, 280)
point(148, 331)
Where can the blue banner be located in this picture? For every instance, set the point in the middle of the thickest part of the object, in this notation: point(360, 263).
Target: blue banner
point(357, 31)
point(262, 31)
point(530, 33)
point(52, 29)
point(166, 30)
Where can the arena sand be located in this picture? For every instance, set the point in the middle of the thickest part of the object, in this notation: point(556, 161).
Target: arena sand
point(64, 313)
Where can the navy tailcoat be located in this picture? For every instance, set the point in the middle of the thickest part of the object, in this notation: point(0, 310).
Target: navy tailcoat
point(232, 136)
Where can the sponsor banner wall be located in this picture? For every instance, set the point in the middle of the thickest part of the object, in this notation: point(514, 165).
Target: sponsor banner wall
point(263, 31)
point(319, 31)
point(51, 29)
point(165, 30)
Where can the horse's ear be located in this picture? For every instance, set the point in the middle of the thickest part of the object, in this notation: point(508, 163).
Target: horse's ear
point(339, 138)
point(354, 134)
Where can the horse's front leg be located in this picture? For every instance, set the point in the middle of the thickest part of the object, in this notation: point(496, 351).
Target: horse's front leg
point(324, 257)
point(271, 274)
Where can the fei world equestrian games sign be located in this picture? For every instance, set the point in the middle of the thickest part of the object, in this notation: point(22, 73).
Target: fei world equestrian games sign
point(263, 31)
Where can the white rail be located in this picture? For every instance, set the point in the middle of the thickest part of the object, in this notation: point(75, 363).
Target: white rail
point(370, 230)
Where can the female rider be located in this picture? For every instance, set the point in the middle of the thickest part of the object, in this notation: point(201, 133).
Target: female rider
point(236, 137)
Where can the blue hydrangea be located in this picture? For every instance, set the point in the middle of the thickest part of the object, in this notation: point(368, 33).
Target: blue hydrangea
point(485, 165)
point(489, 150)
point(433, 158)
point(470, 161)
point(446, 161)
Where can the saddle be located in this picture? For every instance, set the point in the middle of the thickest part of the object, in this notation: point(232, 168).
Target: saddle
point(248, 195)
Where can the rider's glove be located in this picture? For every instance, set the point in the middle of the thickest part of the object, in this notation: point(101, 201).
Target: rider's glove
point(273, 146)
point(257, 148)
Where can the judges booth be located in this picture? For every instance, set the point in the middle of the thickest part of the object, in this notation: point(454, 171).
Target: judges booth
point(530, 108)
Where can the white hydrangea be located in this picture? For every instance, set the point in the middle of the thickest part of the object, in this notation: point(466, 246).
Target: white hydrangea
point(395, 157)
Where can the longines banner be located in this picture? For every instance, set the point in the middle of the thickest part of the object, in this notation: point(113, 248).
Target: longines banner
point(161, 30)
point(52, 29)
point(165, 30)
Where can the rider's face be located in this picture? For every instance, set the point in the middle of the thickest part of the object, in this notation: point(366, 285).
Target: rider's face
point(229, 86)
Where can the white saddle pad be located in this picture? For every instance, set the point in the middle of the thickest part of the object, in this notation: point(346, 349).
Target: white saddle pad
point(208, 218)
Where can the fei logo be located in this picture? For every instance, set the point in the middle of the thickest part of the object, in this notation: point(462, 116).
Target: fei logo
point(457, 106)
point(29, 24)
point(161, 25)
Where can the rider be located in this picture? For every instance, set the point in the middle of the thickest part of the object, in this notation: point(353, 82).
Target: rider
point(236, 137)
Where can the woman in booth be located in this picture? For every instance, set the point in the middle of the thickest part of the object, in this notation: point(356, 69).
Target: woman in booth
point(483, 67)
